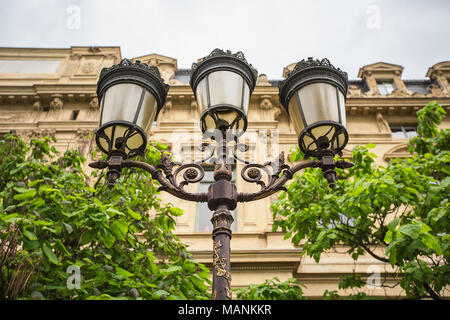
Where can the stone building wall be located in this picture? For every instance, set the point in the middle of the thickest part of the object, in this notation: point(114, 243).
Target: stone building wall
point(53, 92)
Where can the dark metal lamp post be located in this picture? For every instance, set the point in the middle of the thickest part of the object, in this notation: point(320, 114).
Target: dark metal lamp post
point(132, 94)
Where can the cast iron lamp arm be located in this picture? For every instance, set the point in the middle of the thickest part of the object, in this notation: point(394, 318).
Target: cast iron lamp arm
point(166, 179)
point(276, 182)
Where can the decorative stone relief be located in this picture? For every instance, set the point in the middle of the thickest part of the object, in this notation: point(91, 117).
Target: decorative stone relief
point(440, 72)
point(382, 124)
point(27, 135)
point(84, 141)
point(56, 105)
point(93, 104)
point(435, 91)
point(168, 105)
point(37, 106)
point(166, 65)
point(193, 104)
point(262, 80)
point(354, 91)
point(266, 103)
point(277, 113)
point(399, 151)
point(88, 67)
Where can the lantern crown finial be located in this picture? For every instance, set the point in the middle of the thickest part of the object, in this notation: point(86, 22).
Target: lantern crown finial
point(126, 66)
point(218, 55)
point(308, 71)
point(311, 63)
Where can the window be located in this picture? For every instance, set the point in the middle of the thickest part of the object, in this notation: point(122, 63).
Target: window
point(403, 131)
point(385, 87)
point(204, 215)
point(75, 114)
point(343, 220)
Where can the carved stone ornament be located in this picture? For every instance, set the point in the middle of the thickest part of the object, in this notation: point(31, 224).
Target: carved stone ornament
point(383, 125)
point(83, 140)
point(56, 103)
point(435, 91)
point(37, 106)
point(263, 80)
point(93, 104)
point(398, 93)
point(88, 67)
point(277, 113)
point(266, 103)
point(194, 104)
point(354, 91)
point(168, 105)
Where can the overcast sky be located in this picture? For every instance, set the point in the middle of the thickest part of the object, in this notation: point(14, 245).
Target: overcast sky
point(271, 33)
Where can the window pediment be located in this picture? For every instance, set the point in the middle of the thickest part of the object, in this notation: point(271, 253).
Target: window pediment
point(399, 151)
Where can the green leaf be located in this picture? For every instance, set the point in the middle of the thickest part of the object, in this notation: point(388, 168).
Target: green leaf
point(11, 218)
point(393, 224)
point(123, 272)
point(49, 254)
point(431, 242)
point(134, 214)
point(410, 230)
point(119, 229)
point(30, 235)
point(189, 267)
point(61, 247)
point(160, 294)
point(107, 239)
point(88, 236)
point(25, 195)
point(176, 211)
point(22, 190)
point(113, 212)
point(388, 236)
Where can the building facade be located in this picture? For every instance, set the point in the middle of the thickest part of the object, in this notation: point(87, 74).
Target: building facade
point(53, 92)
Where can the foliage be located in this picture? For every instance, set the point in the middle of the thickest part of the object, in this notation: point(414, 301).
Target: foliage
point(121, 239)
point(403, 208)
point(273, 289)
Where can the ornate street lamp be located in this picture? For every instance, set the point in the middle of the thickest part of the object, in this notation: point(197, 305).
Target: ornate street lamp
point(313, 94)
point(222, 83)
point(131, 96)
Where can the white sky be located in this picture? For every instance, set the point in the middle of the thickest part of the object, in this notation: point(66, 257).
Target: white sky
point(272, 34)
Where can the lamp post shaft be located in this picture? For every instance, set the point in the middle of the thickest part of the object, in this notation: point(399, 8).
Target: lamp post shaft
point(221, 220)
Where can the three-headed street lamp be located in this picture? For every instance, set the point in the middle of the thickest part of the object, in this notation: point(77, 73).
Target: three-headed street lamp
point(132, 94)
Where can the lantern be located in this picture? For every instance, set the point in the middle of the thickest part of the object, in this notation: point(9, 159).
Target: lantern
point(131, 96)
point(314, 95)
point(222, 83)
